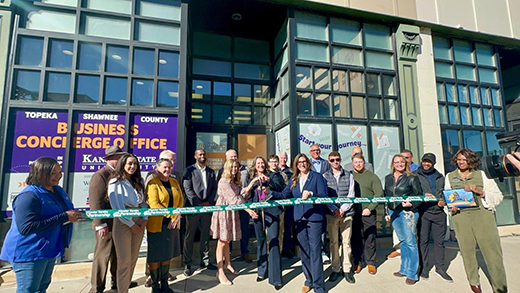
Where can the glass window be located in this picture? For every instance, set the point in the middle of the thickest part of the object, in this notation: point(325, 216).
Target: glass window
point(321, 79)
point(221, 114)
point(97, 26)
point(249, 50)
point(323, 105)
point(242, 92)
point(379, 60)
point(441, 92)
point(339, 81)
point(303, 77)
point(453, 114)
point(115, 90)
point(390, 109)
point(26, 85)
point(211, 67)
point(493, 148)
point(142, 92)
point(488, 117)
point(487, 75)
point(30, 51)
point(277, 113)
point(450, 145)
point(451, 92)
point(441, 49)
point(261, 93)
point(463, 94)
point(476, 114)
point(443, 114)
point(356, 82)
point(61, 53)
point(201, 90)
point(463, 51)
point(348, 56)
point(374, 108)
point(158, 33)
point(285, 83)
point(212, 45)
point(377, 36)
point(168, 94)
point(72, 3)
point(89, 56)
point(87, 89)
point(168, 64)
point(498, 117)
point(164, 9)
point(304, 103)
point(389, 85)
point(261, 116)
point(341, 106)
point(373, 85)
point(144, 60)
point(358, 107)
point(242, 115)
point(464, 115)
point(280, 39)
point(473, 95)
point(473, 140)
point(201, 113)
point(466, 72)
point(120, 6)
point(444, 70)
point(285, 108)
point(497, 98)
point(252, 71)
point(117, 59)
point(48, 20)
point(222, 92)
point(485, 96)
point(57, 87)
point(345, 31)
point(311, 26)
point(312, 52)
point(485, 54)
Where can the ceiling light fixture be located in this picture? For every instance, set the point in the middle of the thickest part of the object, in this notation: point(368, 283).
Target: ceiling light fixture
point(236, 16)
point(67, 52)
point(162, 61)
point(117, 57)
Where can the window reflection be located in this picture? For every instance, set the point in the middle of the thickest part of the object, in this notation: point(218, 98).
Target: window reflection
point(87, 89)
point(374, 108)
point(144, 60)
point(304, 103)
point(243, 93)
point(89, 56)
point(222, 114)
point(222, 92)
point(170, 10)
point(390, 109)
point(358, 107)
point(201, 90)
point(323, 105)
point(26, 85)
point(476, 115)
point(341, 106)
point(168, 94)
point(142, 92)
point(373, 84)
point(201, 113)
point(339, 81)
point(303, 77)
point(356, 82)
point(117, 59)
point(321, 79)
point(30, 51)
point(115, 91)
point(57, 87)
point(168, 64)
point(450, 146)
point(473, 140)
point(242, 115)
point(261, 116)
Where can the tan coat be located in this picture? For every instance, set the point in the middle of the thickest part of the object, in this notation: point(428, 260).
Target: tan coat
point(158, 197)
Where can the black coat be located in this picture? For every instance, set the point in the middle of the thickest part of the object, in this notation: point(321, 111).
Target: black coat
point(406, 185)
point(426, 188)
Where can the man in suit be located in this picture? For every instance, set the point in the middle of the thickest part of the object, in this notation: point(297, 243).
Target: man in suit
point(231, 154)
point(200, 188)
point(350, 167)
point(104, 251)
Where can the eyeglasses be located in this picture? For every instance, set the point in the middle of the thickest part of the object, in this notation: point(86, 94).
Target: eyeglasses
point(302, 162)
point(335, 160)
point(317, 150)
point(273, 162)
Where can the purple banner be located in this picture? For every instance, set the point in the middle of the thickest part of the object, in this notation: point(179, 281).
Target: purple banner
point(37, 134)
point(150, 135)
point(93, 133)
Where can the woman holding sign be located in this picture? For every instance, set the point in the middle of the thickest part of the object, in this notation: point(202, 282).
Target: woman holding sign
point(126, 191)
point(225, 226)
point(477, 225)
point(404, 215)
point(163, 234)
point(41, 227)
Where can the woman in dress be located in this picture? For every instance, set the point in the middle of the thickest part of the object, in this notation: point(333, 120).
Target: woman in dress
point(268, 221)
point(477, 225)
point(225, 226)
point(126, 191)
point(404, 215)
point(163, 235)
point(41, 227)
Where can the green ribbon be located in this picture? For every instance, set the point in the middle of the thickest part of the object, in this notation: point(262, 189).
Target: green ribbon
point(103, 214)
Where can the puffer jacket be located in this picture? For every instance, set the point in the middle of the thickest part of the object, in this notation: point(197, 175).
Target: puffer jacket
point(406, 185)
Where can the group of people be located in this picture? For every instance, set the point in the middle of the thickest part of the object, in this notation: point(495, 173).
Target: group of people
point(42, 214)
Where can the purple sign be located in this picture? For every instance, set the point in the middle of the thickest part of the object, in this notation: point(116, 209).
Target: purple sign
point(150, 135)
point(38, 134)
point(93, 133)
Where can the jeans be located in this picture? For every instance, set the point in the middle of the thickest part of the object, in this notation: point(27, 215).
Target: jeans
point(404, 224)
point(33, 276)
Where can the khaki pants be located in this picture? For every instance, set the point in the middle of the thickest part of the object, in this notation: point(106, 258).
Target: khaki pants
point(127, 249)
point(478, 226)
point(340, 229)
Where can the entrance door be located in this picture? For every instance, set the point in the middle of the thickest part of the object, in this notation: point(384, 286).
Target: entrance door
point(250, 146)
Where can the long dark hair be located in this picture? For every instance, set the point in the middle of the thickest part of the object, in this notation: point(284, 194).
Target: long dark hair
point(40, 171)
point(296, 176)
point(471, 157)
point(253, 172)
point(120, 174)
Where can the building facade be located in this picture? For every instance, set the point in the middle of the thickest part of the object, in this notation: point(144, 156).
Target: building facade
point(258, 76)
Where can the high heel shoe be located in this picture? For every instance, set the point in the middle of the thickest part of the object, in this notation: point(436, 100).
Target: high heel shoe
point(234, 272)
point(225, 283)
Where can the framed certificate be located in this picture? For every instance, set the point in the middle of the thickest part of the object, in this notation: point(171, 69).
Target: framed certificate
point(459, 198)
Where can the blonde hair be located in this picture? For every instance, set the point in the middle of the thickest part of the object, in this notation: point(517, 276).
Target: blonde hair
point(407, 166)
point(226, 174)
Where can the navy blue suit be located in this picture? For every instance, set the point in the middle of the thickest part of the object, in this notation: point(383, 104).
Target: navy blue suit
point(324, 166)
point(309, 222)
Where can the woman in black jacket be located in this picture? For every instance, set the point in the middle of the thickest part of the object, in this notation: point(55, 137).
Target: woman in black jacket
point(268, 220)
point(404, 215)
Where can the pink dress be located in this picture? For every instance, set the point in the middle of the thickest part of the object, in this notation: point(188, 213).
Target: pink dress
point(226, 225)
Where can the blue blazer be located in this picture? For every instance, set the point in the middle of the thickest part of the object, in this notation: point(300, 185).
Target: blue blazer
point(325, 166)
point(315, 183)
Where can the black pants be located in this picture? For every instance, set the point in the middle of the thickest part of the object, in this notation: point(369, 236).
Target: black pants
point(363, 241)
point(194, 222)
point(432, 223)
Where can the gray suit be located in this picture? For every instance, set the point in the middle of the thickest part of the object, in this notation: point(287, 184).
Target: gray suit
point(350, 167)
point(196, 195)
point(325, 166)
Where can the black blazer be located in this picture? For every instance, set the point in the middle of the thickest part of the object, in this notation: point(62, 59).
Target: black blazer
point(194, 186)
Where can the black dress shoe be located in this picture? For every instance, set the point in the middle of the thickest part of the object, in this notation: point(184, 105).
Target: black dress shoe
point(208, 266)
point(187, 270)
point(334, 276)
point(349, 277)
point(132, 285)
point(260, 279)
point(278, 287)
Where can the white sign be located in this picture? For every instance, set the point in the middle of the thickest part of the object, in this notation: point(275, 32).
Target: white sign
point(80, 182)
point(320, 134)
point(350, 136)
point(283, 142)
point(385, 144)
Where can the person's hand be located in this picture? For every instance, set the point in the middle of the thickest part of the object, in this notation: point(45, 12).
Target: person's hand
point(387, 218)
point(406, 204)
point(428, 194)
point(441, 203)
point(136, 229)
point(74, 216)
point(337, 213)
point(473, 188)
point(252, 214)
point(454, 210)
point(366, 212)
point(103, 232)
point(306, 194)
point(173, 223)
point(143, 225)
point(514, 160)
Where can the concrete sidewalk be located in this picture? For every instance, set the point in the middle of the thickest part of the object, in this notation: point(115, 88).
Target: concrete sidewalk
point(75, 278)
